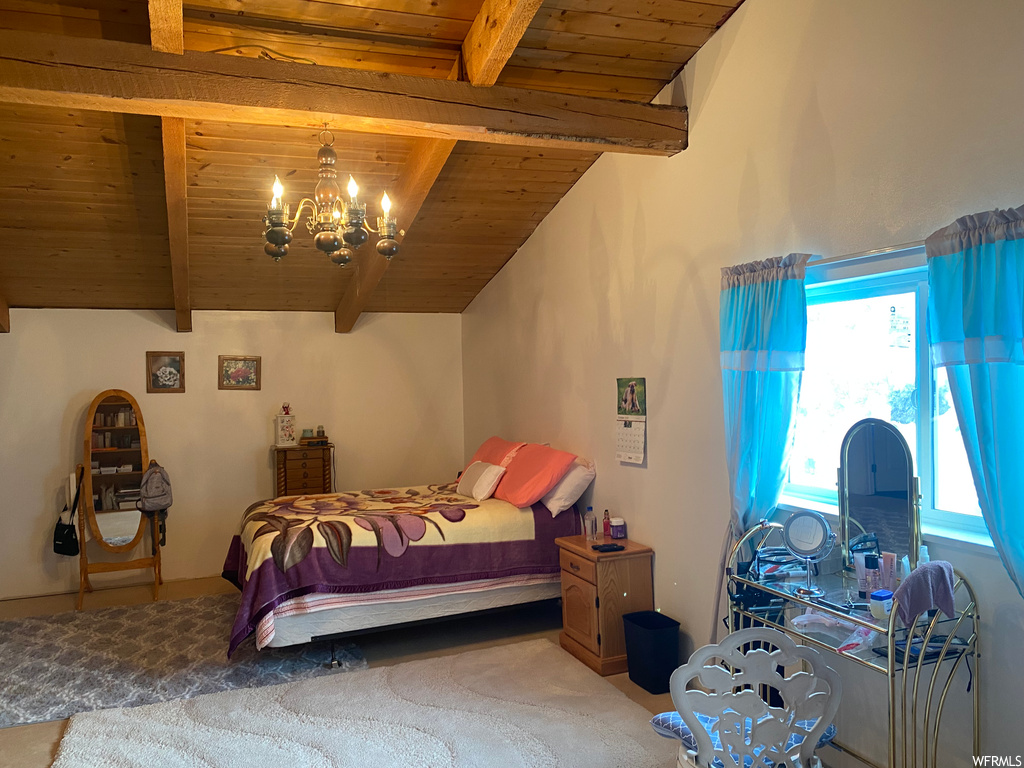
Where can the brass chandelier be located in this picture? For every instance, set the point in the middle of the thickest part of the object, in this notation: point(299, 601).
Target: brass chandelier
point(338, 227)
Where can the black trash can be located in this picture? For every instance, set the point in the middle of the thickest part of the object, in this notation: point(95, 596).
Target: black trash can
point(652, 649)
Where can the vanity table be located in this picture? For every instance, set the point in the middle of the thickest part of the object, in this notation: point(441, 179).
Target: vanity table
point(917, 690)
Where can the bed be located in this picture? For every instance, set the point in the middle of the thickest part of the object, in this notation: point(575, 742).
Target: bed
point(314, 566)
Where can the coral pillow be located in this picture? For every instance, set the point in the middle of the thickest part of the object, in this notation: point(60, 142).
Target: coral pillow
point(534, 471)
point(495, 451)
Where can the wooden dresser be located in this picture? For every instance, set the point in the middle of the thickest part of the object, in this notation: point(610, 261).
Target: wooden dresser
point(597, 589)
point(303, 470)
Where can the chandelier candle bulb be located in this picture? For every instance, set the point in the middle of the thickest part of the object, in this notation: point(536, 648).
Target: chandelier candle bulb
point(275, 201)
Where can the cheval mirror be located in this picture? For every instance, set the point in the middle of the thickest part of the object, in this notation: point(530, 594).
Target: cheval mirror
point(115, 456)
point(878, 492)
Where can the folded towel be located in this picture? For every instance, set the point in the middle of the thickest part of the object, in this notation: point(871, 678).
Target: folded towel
point(928, 586)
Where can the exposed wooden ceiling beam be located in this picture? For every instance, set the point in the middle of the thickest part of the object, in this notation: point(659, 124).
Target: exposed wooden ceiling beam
point(426, 159)
point(5, 316)
point(167, 26)
point(176, 189)
point(495, 33)
point(166, 29)
point(425, 163)
point(110, 76)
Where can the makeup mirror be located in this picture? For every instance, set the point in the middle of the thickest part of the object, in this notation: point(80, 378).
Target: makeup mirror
point(807, 535)
point(878, 492)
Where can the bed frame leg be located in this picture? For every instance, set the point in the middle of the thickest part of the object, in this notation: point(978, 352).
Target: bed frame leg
point(334, 656)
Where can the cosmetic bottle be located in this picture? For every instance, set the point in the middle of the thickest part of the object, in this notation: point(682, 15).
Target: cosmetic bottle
point(618, 528)
point(888, 564)
point(904, 567)
point(872, 573)
point(607, 525)
point(862, 577)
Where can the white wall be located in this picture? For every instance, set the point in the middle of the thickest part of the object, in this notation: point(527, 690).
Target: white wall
point(816, 126)
point(389, 395)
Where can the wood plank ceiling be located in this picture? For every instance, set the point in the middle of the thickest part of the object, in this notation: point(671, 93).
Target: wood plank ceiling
point(89, 203)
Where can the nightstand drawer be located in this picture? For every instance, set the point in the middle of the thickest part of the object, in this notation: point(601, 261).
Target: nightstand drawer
point(577, 566)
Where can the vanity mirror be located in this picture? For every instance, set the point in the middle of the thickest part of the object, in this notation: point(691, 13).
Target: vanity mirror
point(878, 492)
point(807, 535)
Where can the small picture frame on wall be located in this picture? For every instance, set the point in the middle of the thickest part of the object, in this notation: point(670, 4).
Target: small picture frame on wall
point(165, 371)
point(238, 372)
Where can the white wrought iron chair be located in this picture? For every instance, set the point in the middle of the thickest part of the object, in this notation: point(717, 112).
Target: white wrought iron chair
point(745, 712)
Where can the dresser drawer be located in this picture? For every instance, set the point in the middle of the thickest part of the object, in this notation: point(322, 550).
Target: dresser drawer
point(578, 566)
point(298, 475)
point(299, 454)
point(293, 465)
point(308, 485)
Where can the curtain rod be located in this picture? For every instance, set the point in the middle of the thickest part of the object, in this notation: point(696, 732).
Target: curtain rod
point(817, 261)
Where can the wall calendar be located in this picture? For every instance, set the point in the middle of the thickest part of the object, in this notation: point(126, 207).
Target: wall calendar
point(631, 420)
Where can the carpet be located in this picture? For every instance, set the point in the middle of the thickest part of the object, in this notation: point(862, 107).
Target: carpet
point(56, 666)
point(513, 706)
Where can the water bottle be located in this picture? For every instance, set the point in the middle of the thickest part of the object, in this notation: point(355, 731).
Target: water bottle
point(590, 525)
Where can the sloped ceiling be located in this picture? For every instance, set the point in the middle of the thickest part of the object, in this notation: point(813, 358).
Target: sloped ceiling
point(89, 194)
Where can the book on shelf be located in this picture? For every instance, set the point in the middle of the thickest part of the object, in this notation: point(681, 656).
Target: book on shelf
point(126, 505)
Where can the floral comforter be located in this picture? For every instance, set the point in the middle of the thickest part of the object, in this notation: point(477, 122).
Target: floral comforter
point(363, 541)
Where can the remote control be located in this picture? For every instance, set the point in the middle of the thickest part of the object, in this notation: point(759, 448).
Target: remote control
point(607, 547)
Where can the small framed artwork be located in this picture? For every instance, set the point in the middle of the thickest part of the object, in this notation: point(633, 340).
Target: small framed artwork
point(238, 372)
point(165, 371)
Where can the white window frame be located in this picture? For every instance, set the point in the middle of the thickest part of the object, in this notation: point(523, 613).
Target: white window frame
point(874, 274)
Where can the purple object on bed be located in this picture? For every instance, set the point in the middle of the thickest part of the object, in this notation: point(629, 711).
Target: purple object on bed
point(365, 541)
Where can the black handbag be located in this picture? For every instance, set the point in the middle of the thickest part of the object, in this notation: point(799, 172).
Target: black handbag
point(65, 535)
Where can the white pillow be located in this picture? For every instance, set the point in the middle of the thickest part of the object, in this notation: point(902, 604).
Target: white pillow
point(579, 477)
point(479, 480)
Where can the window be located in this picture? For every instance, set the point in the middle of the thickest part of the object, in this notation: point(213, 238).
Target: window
point(867, 357)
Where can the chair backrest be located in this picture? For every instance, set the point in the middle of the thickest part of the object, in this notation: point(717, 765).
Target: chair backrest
point(737, 715)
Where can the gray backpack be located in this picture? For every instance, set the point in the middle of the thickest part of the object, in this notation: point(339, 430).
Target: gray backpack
point(155, 489)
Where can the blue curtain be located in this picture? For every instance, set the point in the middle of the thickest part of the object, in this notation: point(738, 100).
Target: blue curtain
point(763, 321)
point(976, 331)
point(763, 326)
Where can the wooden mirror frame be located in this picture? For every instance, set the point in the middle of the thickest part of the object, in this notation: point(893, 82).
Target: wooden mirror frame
point(89, 511)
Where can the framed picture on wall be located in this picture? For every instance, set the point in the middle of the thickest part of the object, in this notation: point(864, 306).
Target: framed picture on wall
point(165, 371)
point(238, 372)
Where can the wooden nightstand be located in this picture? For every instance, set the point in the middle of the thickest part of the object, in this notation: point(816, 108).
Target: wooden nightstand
point(303, 470)
point(597, 589)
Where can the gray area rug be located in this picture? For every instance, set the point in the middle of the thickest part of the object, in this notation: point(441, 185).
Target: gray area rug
point(528, 705)
point(52, 667)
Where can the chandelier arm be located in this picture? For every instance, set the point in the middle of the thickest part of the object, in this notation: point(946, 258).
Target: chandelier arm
point(303, 203)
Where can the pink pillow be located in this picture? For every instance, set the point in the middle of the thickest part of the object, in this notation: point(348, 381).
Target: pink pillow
point(534, 471)
point(494, 450)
